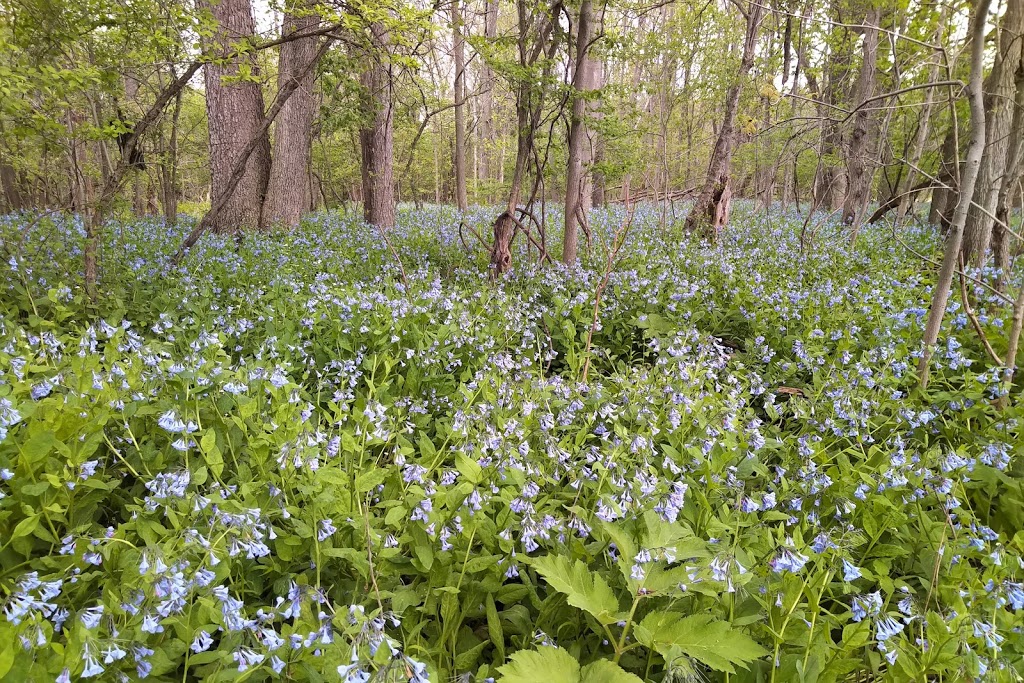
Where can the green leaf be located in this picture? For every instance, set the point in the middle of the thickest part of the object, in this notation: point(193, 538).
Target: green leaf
point(370, 479)
point(25, 527)
point(548, 664)
point(714, 643)
point(583, 588)
point(494, 630)
point(39, 446)
point(604, 671)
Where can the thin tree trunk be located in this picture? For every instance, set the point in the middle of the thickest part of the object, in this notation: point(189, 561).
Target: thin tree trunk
point(597, 196)
point(376, 140)
point(459, 57)
point(289, 187)
point(488, 170)
point(575, 172)
point(945, 199)
point(711, 209)
point(924, 127)
point(235, 113)
point(169, 167)
point(999, 94)
point(969, 177)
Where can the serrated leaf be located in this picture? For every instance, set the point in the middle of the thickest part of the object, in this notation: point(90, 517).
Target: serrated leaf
point(605, 671)
point(582, 587)
point(714, 643)
point(549, 664)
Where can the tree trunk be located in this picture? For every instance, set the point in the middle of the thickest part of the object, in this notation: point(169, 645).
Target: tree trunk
point(9, 181)
point(169, 165)
point(459, 57)
point(289, 188)
point(711, 209)
point(830, 180)
point(861, 150)
point(999, 95)
point(235, 113)
point(924, 127)
point(376, 140)
point(945, 199)
point(575, 176)
point(1014, 167)
point(597, 143)
point(972, 166)
point(488, 170)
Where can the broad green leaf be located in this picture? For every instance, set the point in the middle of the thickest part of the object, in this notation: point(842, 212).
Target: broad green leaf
point(39, 446)
point(605, 671)
point(582, 587)
point(547, 665)
point(25, 527)
point(712, 642)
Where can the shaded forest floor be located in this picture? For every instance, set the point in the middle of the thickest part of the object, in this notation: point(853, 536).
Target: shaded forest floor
point(315, 452)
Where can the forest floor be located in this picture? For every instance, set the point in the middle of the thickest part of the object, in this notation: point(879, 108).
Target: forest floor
point(316, 454)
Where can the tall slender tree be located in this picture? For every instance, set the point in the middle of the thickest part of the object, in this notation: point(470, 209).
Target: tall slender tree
point(459, 58)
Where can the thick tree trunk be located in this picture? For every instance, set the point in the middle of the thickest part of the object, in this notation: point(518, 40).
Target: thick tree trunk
point(1009, 184)
point(376, 140)
point(859, 165)
point(972, 166)
point(289, 188)
point(9, 182)
point(459, 57)
point(235, 112)
point(711, 209)
point(999, 100)
point(575, 177)
point(830, 180)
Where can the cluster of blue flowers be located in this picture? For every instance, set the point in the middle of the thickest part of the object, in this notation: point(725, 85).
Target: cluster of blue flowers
point(298, 457)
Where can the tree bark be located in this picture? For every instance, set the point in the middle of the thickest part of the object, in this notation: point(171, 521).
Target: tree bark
point(488, 168)
point(290, 186)
point(945, 199)
point(169, 165)
point(235, 112)
point(376, 139)
point(830, 180)
point(861, 145)
point(1011, 177)
point(999, 95)
point(711, 209)
point(597, 197)
point(9, 181)
point(575, 176)
point(459, 57)
point(972, 166)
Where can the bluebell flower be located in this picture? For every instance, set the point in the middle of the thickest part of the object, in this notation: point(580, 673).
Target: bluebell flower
point(787, 560)
point(850, 571)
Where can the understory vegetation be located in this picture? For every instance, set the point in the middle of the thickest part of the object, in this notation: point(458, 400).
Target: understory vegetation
point(318, 453)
